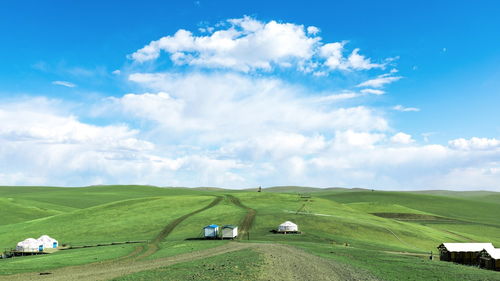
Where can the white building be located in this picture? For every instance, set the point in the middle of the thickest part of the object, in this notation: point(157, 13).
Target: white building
point(229, 231)
point(29, 245)
point(211, 231)
point(288, 226)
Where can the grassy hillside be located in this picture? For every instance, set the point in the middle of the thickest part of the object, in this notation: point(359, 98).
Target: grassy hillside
point(382, 224)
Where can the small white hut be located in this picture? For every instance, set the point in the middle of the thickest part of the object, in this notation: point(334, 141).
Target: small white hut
point(229, 231)
point(48, 242)
point(29, 245)
point(211, 231)
point(288, 226)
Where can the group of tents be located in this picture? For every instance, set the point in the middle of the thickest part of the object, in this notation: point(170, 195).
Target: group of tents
point(32, 245)
point(214, 231)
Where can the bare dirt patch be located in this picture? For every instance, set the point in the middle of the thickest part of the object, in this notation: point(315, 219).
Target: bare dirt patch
point(284, 262)
point(413, 217)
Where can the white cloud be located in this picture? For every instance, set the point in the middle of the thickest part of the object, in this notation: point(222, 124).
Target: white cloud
point(332, 52)
point(337, 97)
point(64, 83)
point(248, 105)
point(233, 129)
point(357, 61)
point(402, 138)
point(427, 135)
point(116, 72)
point(405, 109)
point(334, 58)
point(33, 121)
point(380, 81)
point(356, 139)
point(475, 143)
point(312, 30)
point(246, 44)
point(372, 91)
point(40, 144)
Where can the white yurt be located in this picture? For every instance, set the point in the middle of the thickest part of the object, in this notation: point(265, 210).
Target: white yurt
point(29, 245)
point(288, 226)
point(48, 242)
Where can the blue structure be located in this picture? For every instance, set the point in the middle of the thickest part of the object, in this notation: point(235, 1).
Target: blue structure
point(211, 231)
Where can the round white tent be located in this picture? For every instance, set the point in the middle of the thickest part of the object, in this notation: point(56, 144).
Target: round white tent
point(29, 245)
point(288, 226)
point(48, 242)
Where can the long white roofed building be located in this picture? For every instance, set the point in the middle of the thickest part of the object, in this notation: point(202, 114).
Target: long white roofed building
point(464, 253)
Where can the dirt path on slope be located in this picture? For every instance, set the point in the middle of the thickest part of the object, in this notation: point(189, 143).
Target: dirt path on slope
point(283, 263)
point(247, 221)
point(154, 245)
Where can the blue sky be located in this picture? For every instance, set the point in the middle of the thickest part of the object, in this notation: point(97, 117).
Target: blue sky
point(98, 110)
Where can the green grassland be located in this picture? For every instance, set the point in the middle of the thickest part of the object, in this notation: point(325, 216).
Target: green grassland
point(241, 265)
point(377, 225)
point(63, 258)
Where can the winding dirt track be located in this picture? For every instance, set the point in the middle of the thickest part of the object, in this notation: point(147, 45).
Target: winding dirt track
point(247, 221)
point(110, 270)
point(281, 263)
point(153, 246)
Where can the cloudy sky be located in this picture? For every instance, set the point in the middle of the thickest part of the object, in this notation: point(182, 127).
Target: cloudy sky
point(210, 93)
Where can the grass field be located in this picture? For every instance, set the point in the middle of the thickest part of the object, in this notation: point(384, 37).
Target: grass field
point(389, 233)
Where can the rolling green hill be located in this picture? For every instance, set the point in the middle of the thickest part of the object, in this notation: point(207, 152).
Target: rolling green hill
point(384, 231)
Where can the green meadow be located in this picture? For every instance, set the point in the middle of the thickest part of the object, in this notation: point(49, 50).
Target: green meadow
point(381, 234)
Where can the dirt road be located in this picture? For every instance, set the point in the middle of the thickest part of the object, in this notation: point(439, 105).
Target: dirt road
point(281, 262)
point(247, 221)
point(109, 270)
point(153, 246)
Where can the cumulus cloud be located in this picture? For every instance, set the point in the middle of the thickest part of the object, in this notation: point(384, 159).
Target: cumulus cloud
point(402, 138)
point(246, 44)
point(42, 145)
point(235, 102)
point(64, 83)
point(405, 109)
point(313, 30)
